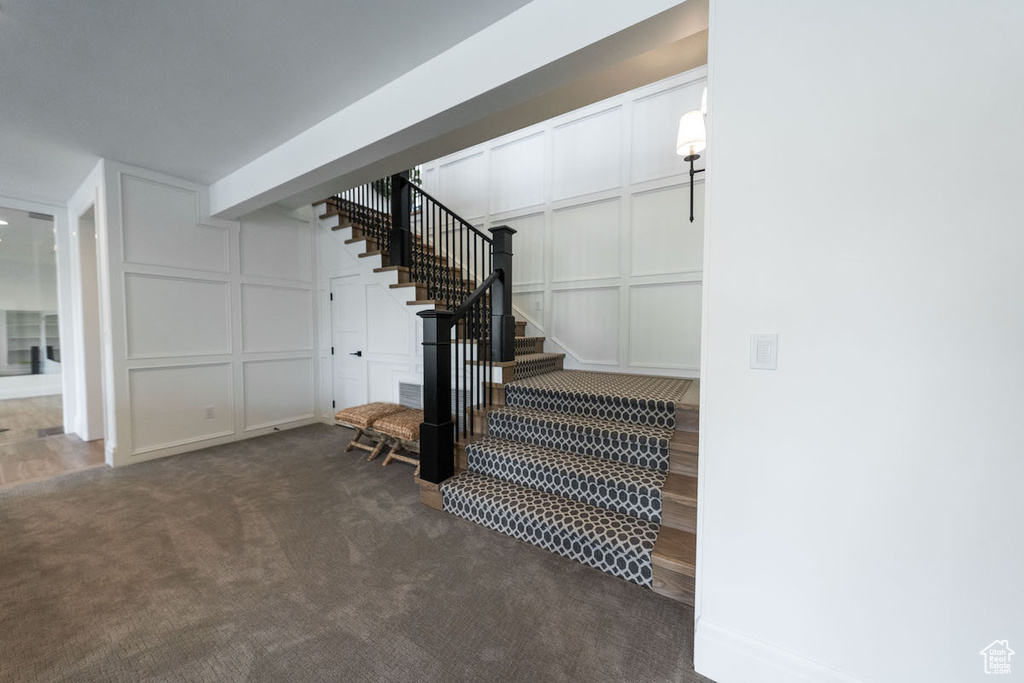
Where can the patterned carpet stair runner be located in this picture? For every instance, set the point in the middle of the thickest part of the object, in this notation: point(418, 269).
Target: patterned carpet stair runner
point(525, 345)
point(575, 463)
point(626, 398)
point(610, 541)
point(629, 489)
point(533, 364)
point(633, 444)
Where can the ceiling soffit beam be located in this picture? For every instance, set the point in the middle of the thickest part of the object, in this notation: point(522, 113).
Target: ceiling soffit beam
point(477, 88)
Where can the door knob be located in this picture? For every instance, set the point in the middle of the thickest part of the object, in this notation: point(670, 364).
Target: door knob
point(356, 353)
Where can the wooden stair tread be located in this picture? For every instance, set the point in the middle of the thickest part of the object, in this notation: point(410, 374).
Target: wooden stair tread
point(676, 550)
point(425, 303)
point(386, 269)
point(375, 252)
point(684, 442)
point(364, 238)
point(680, 488)
point(402, 285)
point(691, 399)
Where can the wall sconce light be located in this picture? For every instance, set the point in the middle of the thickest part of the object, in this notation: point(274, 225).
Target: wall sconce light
point(692, 140)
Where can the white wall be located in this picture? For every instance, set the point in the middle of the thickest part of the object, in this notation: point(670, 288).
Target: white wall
point(27, 286)
point(211, 322)
point(860, 506)
point(604, 249)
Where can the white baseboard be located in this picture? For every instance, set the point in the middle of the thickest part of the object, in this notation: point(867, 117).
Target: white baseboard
point(727, 656)
point(116, 459)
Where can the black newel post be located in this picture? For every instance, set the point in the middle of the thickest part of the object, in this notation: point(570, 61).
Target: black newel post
point(401, 220)
point(503, 322)
point(437, 432)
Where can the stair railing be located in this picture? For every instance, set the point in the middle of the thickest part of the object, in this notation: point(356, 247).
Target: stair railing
point(472, 331)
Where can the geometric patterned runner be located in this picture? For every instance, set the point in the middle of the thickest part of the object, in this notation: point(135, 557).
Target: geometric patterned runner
point(638, 399)
point(629, 489)
point(610, 541)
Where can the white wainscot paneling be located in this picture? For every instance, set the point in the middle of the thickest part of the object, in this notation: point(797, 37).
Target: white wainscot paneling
point(530, 303)
point(655, 127)
point(176, 316)
point(324, 328)
point(171, 405)
point(276, 246)
point(464, 185)
point(665, 325)
point(334, 257)
point(663, 238)
point(586, 323)
point(587, 155)
point(528, 247)
point(277, 391)
point(276, 318)
point(517, 174)
point(160, 228)
point(585, 242)
point(387, 323)
point(380, 380)
point(326, 386)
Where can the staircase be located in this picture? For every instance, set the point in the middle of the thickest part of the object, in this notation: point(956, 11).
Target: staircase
point(596, 467)
point(600, 468)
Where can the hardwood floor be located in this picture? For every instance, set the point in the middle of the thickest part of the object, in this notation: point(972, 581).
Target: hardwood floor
point(52, 456)
point(22, 418)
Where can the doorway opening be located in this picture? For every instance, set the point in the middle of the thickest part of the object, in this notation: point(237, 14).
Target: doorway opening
point(31, 405)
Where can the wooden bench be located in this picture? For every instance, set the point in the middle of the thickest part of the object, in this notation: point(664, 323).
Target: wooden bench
point(403, 428)
point(362, 419)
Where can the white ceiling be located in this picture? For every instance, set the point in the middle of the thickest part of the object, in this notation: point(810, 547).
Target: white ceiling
point(25, 239)
point(196, 88)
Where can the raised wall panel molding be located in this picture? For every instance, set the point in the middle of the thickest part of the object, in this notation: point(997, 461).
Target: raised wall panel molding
point(275, 247)
point(463, 184)
point(517, 174)
point(278, 391)
point(170, 317)
point(585, 242)
point(587, 154)
point(168, 404)
point(276, 318)
point(586, 321)
point(664, 325)
point(387, 323)
point(161, 226)
point(662, 238)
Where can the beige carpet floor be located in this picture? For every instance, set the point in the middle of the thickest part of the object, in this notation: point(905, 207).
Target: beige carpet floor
point(283, 559)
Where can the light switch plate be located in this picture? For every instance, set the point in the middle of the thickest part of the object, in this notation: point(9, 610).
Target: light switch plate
point(764, 351)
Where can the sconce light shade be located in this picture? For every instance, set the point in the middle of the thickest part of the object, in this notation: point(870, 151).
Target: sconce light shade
point(692, 136)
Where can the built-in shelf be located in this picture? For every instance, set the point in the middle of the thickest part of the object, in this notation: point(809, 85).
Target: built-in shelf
point(20, 331)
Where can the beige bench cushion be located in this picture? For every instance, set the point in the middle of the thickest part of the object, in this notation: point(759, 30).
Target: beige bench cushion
point(365, 416)
point(404, 425)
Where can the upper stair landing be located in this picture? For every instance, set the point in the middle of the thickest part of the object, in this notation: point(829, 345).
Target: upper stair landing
point(637, 399)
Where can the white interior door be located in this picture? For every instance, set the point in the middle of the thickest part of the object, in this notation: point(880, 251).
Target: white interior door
point(348, 330)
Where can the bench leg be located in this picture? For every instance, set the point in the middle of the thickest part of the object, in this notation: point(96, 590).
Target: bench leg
point(354, 442)
point(391, 454)
point(377, 449)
